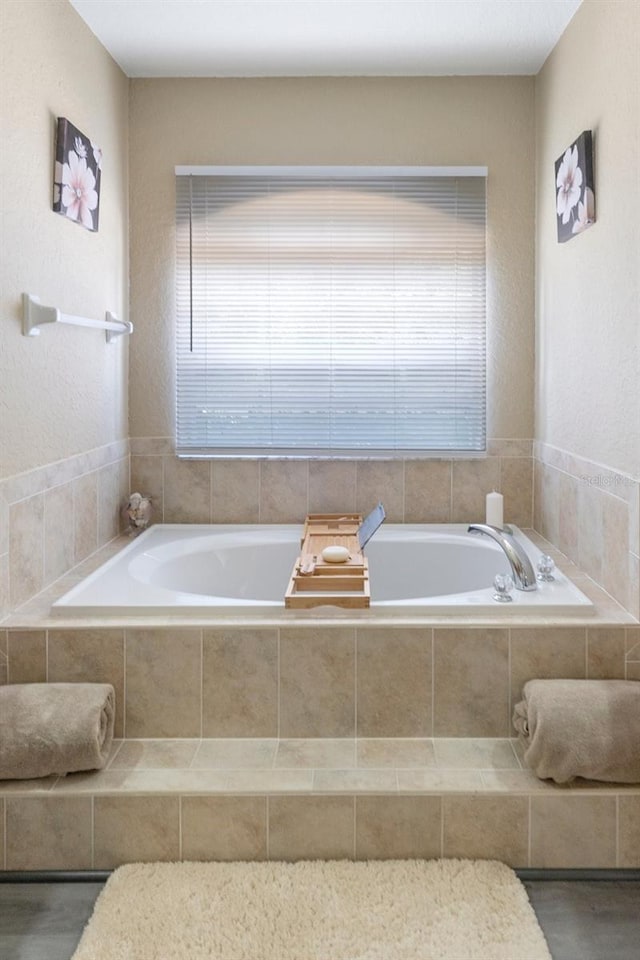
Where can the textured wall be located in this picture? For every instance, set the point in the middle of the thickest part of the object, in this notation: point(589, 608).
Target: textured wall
point(487, 121)
point(587, 290)
point(64, 392)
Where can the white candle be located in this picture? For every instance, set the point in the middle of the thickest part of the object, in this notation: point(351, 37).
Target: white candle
point(495, 509)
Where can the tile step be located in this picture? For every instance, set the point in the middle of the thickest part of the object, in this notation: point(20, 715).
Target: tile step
point(318, 767)
point(316, 799)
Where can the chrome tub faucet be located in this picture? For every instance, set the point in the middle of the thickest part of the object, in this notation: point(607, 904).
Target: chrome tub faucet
point(521, 568)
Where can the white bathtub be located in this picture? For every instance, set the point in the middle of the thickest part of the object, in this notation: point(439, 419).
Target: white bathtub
point(220, 570)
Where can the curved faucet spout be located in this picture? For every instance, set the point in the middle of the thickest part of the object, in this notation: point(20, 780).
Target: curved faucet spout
point(523, 574)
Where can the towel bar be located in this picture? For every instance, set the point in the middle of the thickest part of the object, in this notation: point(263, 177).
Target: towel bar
point(35, 315)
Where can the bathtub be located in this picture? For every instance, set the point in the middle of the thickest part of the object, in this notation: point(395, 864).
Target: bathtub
point(243, 570)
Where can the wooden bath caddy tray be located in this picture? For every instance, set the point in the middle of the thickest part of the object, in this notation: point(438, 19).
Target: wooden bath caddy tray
point(313, 581)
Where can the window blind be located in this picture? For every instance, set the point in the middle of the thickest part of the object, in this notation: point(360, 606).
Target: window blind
point(330, 315)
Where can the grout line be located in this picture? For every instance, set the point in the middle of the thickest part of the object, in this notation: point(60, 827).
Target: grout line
point(515, 753)
point(509, 684)
point(355, 804)
point(201, 683)
point(355, 688)
point(93, 825)
point(278, 734)
point(450, 491)
point(267, 824)
point(46, 655)
point(44, 538)
point(180, 827)
point(10, 606)
point(260, 462)
point(117, 751)
point(356, 484)
point(124, 684)
point(441, 825)
point(433, 684)
point(74, 521)
point(586, 653)
point(532, 496)
point(532, 490)
point(307, 484)
point(162, 486)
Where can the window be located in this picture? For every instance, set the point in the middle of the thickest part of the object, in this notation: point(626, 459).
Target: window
point(330, 312)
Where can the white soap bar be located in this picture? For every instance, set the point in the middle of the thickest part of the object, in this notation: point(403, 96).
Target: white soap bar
point(335, 554)
point(495, 509)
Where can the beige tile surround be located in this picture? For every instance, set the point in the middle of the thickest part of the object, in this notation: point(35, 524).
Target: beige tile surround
point(207, 799)
point(284, 491)
point(380, 791)
point(310, 682)
point(56, 516)
point(591, 514)
point(356, 772)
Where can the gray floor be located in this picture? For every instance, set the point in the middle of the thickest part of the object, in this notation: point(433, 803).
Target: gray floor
point(582, 920)
point(588, 919)
point(43, 921)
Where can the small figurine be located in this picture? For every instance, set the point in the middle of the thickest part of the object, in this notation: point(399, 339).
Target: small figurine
point(137, 513)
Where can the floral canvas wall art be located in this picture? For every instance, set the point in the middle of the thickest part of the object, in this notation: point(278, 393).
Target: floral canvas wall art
point(575, 195)
point(76, 178)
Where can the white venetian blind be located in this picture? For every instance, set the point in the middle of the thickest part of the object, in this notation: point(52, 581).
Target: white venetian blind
point(330, 314)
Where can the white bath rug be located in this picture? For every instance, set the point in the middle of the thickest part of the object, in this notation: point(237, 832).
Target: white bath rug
point(314, 910)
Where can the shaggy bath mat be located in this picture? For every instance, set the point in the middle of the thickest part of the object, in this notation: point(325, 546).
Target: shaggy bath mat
point(314, 910)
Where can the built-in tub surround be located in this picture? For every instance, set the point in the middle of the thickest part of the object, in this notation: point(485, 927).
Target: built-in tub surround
point(199, 570)
point(56, 516)
point(340, 741)
point(310, 679)
point(416, 491)
point(592, 514)
point(313, 738)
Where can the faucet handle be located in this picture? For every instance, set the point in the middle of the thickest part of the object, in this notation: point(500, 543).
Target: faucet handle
point(503, 585)
point(545, 568)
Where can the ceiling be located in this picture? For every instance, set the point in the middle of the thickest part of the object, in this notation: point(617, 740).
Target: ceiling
point(276, 38)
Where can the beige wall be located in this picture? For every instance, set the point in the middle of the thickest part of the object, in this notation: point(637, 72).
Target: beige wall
point(324, 121)
point(587, 468)
point(64, 392)
point(587, 290)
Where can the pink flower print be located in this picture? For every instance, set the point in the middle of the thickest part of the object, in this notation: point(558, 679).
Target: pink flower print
point(78, 190)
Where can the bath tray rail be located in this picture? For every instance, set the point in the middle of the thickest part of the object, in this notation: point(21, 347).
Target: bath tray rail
point(314, 582)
